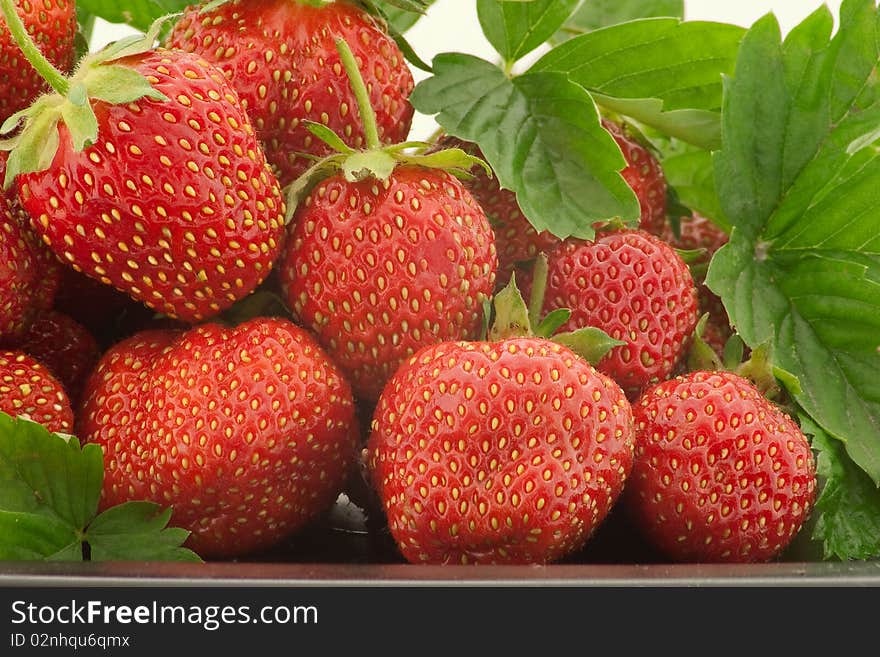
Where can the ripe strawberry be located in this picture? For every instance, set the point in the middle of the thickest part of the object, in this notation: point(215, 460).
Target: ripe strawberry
point(64, 347)
point(516, 240)
point(379, 269)
point(247, 432)
point(385, 257)
point(29, 273)
point(281, 58)
point(173, 203)
point(27, 389)
point(721, 474)
point(510, 451)
point(637, 289)
point(644, 175)
point(52, 26)
point(697, 232)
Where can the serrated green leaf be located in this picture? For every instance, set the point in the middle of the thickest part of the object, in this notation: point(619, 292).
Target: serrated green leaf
point(692, 175)
point(541, 135)
point(137, 531)
point(662, 72)
point(35, 536)
point(31, 458)
point(140, 14)
point(802, 269)
point(849, 503)
point(516, 28)
point(596, 14)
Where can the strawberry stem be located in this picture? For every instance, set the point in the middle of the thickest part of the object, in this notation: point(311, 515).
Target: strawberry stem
point(356, 80)
point(56, 79)
point(540, 272)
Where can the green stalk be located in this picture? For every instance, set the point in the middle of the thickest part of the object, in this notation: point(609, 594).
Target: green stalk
point(56, 79)
point(539, 289)
point(356, 80)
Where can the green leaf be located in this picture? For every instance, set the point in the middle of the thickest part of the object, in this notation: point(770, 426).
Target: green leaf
point(552, 322)
point(516, 28)
point(137, 531)
point(49, 487)
point(541, 134)
point(596, 14)
point(399, 20)
point(849, 505)
point(140, 14)
point(692, 175)
point(589, 343)
point(664, 73)
point(802, 269)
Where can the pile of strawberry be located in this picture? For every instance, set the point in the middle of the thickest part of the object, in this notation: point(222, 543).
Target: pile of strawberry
point(257, 152)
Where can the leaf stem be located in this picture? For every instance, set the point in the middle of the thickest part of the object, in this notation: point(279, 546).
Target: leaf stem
point(56, 79)
point(356, 80)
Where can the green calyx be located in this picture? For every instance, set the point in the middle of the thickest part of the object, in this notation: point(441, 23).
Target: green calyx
point(33, 139)
point(770, 380)
point(513, 318)
point(376, 161)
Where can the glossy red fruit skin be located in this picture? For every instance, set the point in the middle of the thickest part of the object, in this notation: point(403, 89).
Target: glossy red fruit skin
point(29, 272)
point(281, 57)
point(516, 240)
point(721, 474)
point(637, 289)
point(644, 175)
point(27, 389)
point(248, 432)
point(52, 26)
point(174, 204)
point(698, 232)
point(379, 270)
point(498, 452)
point(65, 347)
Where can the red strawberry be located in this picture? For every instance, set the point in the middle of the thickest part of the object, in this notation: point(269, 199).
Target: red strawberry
point(29, 273)
point(510, 451)
point(644, 175)
point(697, 232)
point(637, 289)
point(174, 202)
point(27, 389)
point(516, 240)
point(380, 269)
point(247, 432)
point(65, 347)
point(52, 26)
point(281, 58)
point(721, 474)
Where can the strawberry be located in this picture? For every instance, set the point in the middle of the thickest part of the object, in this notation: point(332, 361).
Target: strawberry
point(172, 202)
point(379, 269)
point(52, 26)
point(281, 58)
point(509, 450)
point(721, 474)
point(516, 240)
point(697, 232)
point(644, 175)
point(247, 432)
point(386, 253)
point(27, 389)
point(65, 347)
point(29, 273)
point(637, 289)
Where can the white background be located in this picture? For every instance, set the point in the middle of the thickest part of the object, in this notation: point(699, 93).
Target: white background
point(451, 25)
